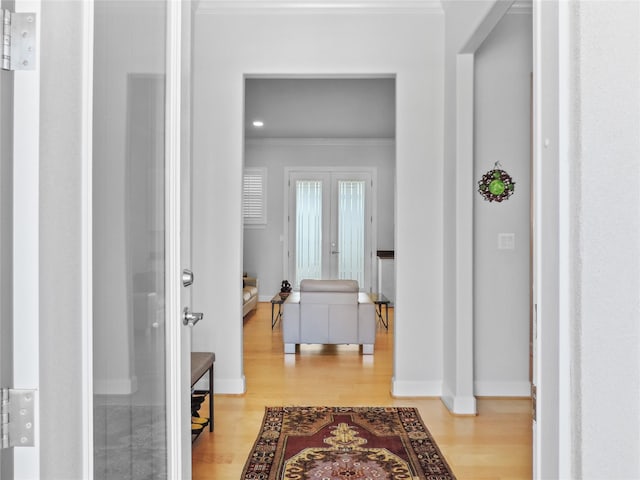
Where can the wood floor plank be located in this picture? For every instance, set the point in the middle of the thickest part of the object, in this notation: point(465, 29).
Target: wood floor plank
point(495, 445)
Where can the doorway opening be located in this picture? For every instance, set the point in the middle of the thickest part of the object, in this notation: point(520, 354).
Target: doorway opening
point(325, 148)
point(343, 130)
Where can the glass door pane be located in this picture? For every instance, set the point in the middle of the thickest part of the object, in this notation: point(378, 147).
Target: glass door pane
point(130, 438)
point(351, 232)
point(308, 230)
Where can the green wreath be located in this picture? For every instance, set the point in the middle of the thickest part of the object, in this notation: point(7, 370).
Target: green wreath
point(496, 185)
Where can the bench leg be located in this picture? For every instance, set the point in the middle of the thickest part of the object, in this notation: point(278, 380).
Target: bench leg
point(211, 398)
point(367, 348)
point(289, 348)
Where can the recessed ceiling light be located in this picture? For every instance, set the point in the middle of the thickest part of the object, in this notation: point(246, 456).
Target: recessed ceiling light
point(258, 123)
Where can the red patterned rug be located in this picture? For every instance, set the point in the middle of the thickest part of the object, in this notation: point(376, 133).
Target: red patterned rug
point(345, 443)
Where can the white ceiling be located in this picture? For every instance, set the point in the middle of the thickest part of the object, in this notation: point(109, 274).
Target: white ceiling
point(320, 107)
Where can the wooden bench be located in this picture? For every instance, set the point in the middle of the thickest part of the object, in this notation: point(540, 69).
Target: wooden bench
point(201, 363)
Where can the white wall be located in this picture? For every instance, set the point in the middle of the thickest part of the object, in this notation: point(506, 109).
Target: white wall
point(278, 154)
point(408, 45)
point(603, 147)
point(503, 65)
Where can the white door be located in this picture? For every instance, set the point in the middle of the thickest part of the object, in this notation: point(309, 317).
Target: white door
point(330, 226)
point(141, 349)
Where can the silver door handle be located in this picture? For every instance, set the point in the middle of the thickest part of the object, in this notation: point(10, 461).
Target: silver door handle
point(187, 277)
point(191, 318)
point(334, 252)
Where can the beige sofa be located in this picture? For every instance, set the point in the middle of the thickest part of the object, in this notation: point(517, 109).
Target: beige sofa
point(249, 294)
point(329, 312)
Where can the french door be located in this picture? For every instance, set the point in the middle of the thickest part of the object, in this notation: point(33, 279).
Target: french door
point(330, 225)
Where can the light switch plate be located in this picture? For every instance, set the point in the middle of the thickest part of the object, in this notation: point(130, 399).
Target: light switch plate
point(506, 241)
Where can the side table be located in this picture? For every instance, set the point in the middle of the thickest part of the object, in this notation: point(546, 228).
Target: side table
point(278, 299)
point(380, 300)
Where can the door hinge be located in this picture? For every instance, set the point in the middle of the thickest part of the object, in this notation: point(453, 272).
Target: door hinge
point(17, 413)
point(18, 40)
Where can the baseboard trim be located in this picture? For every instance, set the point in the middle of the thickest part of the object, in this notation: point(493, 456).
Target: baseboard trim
point(459, 404)
point(229, 386)
point(502, 389)
point(401, 388)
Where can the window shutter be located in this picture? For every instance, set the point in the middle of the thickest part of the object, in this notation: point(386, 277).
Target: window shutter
point(254, 192)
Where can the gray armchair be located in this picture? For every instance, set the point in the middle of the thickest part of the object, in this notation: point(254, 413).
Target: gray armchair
point(329, 312)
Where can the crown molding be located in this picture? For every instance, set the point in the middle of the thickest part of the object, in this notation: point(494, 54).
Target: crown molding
point(521, 7)
point(324, 6)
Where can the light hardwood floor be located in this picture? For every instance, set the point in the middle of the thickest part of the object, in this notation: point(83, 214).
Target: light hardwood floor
point(496, 444)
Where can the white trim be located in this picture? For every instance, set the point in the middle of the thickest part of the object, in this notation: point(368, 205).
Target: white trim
point(537, 457)
point(340, 142)
point(459, 405)
point(486, 26)
point(26, 243)
point(464, 344)
point(566, 58)
point(502, 389)
point(87, 240)
point(324, 6)
point(177, 464)
point(521, 7)
point(404, 388)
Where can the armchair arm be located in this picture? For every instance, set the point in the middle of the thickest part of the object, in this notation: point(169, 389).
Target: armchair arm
point(250, 281)
point(366, 319)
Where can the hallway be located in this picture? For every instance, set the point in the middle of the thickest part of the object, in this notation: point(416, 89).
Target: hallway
point(496, 444)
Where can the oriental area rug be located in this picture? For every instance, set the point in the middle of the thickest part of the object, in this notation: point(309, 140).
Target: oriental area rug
point(345, 443)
